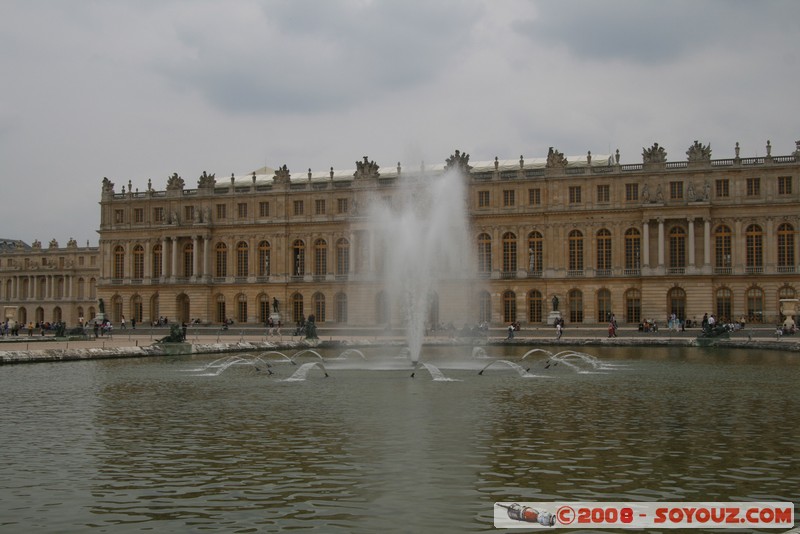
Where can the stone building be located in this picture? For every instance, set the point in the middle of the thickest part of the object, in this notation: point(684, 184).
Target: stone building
point(640, 241)
point(50, 284)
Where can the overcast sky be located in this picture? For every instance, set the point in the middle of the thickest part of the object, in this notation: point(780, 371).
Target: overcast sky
point(140, 89)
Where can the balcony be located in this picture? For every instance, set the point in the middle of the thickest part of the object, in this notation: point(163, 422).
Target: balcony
point(603, 272)
point(534, 274)
point(786, 269)
point(575, 273)
point(508, 275)
point(723, 270)
point(754, 270)
point(676, 270)
point(632, 272)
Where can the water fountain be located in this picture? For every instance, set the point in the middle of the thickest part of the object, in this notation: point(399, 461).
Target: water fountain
point(424, 248)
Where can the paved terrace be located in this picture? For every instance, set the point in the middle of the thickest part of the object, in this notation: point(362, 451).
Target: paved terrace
point(213, 339)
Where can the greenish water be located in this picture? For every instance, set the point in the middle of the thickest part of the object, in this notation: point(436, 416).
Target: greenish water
point(156, 445)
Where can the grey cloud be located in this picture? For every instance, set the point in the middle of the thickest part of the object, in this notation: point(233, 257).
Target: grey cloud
point(653, 32)
point(307, 57)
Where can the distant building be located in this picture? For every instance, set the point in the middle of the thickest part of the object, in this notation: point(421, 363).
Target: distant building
point(640, 241)
point(48, 284)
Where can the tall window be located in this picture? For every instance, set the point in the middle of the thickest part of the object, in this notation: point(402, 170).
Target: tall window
point(484, 253)
point(604, 251)
point(242, 209)
point(784, 185)
point(136, 308)
point(574, 194)
point(677, 248)
point(119, 262)
point(242, 259)
point(298, 207)
point(603, 305)
point(509, 252)
point(221, 313)
point(188, 213)
point(575, 303)
point(508, 198)
point(603, 193)
point(320, 257)
point(299, 257)
point(188, 259)
point(341, 205)
point(754, 249)
point(158, 214)
point(263, 209)
point(342, 257)
point(722, 249)
point(484, 307)
point(535, 306)
point(535, 252)
point(319, 307)
point(755, 305)
point(723, 188)
point(633, 251)
point(631, 192)
point(264, 252)
point(535, 196)
point(241, 308)
point(676, 302)
point(221, 212)
point(509, 307)
point(263, 308)
point(786, 254)
point(633, 306)
point(575, 250)
point(723, 305)
point(138, 262)
point(138, 215)
point(676, 190)
point(483, 199)
point(157, 272)
point(753, 187)
point(221, 260)
point(341, 308)
point(319, 206)
point(298, 313)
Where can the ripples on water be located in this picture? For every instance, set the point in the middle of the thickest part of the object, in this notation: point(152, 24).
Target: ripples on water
point(138, 445)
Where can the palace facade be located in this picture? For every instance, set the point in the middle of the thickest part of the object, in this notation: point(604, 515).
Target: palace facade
point(52, 284)
point(640, 241)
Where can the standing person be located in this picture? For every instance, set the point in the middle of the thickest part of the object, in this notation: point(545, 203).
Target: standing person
point(133, 323)
point(559, 329)
point(122, 323)
point(510, 331)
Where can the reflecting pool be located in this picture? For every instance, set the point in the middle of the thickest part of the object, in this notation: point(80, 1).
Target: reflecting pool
point(205, 443)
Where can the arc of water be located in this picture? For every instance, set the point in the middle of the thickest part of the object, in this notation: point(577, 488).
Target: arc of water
point(307, 351)
point(435, 372)
point(517, 368)
point(353, 351)
point(269, 352)
point(303, 370)
point(532, 351)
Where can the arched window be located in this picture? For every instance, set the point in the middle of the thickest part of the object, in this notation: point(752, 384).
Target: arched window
point(156, 267)
point(755, 305)
point(136, 308)
point(575, 303)
point(299, 257)
point(633, 306)
point(298, 313)
point(138, 262)
point(723, 306)
point(116, 308)
point(677, 249)
point(509, 252)
point(320, 258)
point(222, 315)
point(785, 292)
point(575, 240)
point(603, 252)
point(633, 252)
point(603, 305)
point(509, 307)
point(484, 307)
point(221, 260)
point(319, 307)
point(754, 249)
point(341, 308)
point(786, 255)
point(342, 257)
point(241, 308)
point(722, 250)
point(242, 259)
point(535, 306)
point(535, 252)
point(676, 302)
point(188, 259)
point(484, 254)
point(119, 262)
point(264, 251)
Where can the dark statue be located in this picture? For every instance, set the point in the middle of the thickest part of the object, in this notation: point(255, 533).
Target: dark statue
point(275, 305)
point(176, 334)
point(555, 303)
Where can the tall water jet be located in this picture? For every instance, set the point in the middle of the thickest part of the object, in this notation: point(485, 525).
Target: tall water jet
point(424, 247)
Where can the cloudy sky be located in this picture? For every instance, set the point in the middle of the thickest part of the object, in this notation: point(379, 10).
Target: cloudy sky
point(140, 89)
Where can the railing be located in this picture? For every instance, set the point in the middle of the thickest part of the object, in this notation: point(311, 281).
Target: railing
point(723, 270)
point(508, 275)
point(602, 272)
point(786, 269)
point(575, 273)
point(534, 274)
point(342, 277)
point(319, 277)
point(263, 278)
point(297, 277)
point(753, 270)
point(632, 272)
point(676, 270)
point(484, 274)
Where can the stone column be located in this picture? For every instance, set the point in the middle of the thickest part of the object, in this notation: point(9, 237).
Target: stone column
point(206, 256)
point(148, 261)
point(646, 244)
point(660, 242)
point(195, 256)
point(173, 270)
point(691, 243)
point(164, 252)
point(707, 243)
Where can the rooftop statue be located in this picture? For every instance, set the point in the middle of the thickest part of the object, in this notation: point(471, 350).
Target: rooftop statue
point(366, 169)
point(174, 182)
point(108, 185)
point(654, 154)
point(555, 159)
point(699, 152)
point(282, 175)
point(206, 180)
point(459, 161)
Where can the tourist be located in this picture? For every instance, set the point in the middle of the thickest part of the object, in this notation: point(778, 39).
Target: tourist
point(559, 329)
point(510, 331)
point(122, 323)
